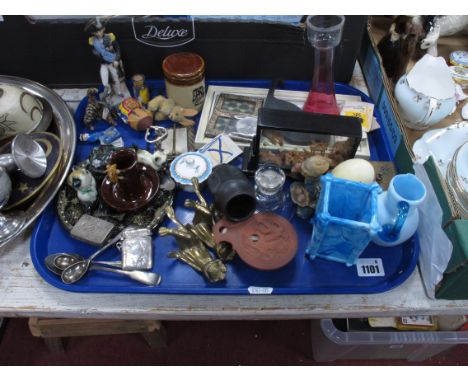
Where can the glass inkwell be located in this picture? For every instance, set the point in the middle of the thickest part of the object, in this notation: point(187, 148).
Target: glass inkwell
point(269, 191)
point(269, 182)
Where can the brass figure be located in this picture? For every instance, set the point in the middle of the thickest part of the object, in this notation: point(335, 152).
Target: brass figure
point(192, 251)
point(203, 222)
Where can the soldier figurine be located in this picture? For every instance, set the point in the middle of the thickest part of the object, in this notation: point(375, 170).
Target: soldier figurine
point(106, 48)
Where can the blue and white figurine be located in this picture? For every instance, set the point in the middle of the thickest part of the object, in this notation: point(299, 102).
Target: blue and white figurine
point(106, 48)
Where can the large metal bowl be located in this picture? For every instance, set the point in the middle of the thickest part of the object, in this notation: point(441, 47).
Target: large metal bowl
point(63, 125)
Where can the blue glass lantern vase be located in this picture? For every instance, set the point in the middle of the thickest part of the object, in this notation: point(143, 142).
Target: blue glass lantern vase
point(345, 220)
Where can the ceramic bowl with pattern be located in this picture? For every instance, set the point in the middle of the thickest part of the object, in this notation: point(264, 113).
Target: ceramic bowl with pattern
point(21, 111)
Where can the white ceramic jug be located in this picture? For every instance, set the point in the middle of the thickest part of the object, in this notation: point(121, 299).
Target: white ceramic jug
point(426, 95)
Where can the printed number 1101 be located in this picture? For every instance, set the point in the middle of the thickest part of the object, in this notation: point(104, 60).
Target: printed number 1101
point(370, 267)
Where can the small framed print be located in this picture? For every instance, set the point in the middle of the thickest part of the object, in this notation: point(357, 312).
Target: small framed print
point(229, 103)
point(235, 116)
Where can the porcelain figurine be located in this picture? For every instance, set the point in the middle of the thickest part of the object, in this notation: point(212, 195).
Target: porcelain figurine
point(399, 44)
point(106, 48)
point(166, 108)
point(397, 210)
point(98, 110)
point(155, 160)
point(439, 26)
point(426, 95)
point(82, 181)
point(140, 90)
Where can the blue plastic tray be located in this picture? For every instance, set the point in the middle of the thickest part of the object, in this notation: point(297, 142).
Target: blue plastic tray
point(301, 276)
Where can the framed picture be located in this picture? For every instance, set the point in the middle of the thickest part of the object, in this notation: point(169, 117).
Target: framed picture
point(219, 99)
point(235, 116)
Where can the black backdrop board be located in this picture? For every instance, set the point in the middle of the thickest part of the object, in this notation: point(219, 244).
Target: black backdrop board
point(57, 53)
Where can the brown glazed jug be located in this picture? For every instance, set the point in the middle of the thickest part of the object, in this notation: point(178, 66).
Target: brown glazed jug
point(129, 185)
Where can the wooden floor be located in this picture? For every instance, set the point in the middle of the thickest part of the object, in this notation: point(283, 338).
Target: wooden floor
point(191, 343)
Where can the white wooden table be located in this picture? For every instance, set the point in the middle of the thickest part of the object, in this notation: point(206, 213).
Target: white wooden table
point(23, 292)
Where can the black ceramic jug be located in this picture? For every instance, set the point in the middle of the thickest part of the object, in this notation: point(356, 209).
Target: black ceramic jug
point(233, 194)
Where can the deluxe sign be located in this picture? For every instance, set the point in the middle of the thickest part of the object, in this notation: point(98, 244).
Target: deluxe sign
point(163, 32)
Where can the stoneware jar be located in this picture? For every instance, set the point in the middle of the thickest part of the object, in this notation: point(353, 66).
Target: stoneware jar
point(426, 95)
point(184, 76)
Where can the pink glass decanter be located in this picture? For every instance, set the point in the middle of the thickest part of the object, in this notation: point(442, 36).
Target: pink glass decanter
point(324, 33)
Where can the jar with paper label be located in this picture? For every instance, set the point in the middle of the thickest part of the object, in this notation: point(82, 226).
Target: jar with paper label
point(184, 76)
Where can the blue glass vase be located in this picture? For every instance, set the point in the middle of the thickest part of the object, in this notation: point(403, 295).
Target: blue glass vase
point(345, 220)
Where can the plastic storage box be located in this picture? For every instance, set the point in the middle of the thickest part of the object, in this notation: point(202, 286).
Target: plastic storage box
point(331, 344)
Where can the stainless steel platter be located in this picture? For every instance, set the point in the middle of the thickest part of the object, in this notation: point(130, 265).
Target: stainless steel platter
point(62, 125)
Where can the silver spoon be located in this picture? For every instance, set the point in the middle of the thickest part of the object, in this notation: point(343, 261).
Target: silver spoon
point(63, 260)
point(148, 278)
point(49, 262)
point(76, 271)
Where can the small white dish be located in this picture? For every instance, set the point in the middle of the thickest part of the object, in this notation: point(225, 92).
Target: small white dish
point(457, 179)
point(441, 144)
point(460, 75)
point(459, 57)
point(190, 165)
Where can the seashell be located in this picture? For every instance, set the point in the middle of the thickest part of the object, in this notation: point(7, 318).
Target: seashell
point(315, 166)
point(299, 194)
